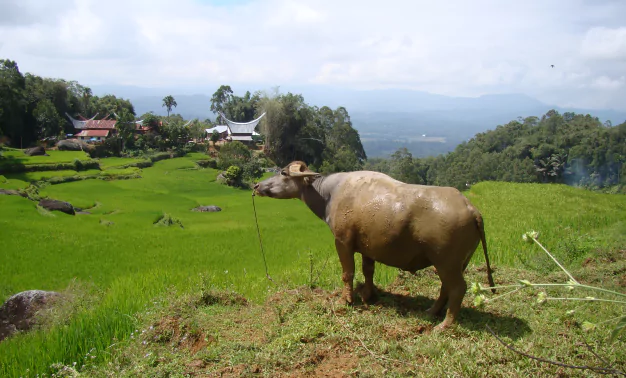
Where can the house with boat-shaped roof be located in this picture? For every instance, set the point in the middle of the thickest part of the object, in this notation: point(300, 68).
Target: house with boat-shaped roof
point(240, 131)
point(93, 129)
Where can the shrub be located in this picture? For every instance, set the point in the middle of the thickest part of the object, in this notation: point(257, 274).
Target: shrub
point(233, 176)
point(109, 147)
point(252, 170)
point(210, 163)
point(233, 173)
point(233, 153)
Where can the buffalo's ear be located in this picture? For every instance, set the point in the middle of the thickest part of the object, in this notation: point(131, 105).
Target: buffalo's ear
point(300, 170)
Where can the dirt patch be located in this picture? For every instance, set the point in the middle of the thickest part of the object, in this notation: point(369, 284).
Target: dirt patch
point(326, 363)
point(222, 298)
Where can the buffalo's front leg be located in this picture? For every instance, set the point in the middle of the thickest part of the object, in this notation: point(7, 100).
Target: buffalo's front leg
point(368, 293)
point(346, 257)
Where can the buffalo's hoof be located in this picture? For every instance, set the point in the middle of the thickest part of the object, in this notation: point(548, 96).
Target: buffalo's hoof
point(343, 301)
point(433, 313)
point(443, 326)
point(369, 297)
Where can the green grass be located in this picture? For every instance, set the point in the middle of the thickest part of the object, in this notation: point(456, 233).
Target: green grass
point(119, 250)
point(44, 175)
point(47, 175)
point(10, 183)
point(299, 331)
point(573, 221)
point(117, 162)
point(197, 156)
point(18, 156)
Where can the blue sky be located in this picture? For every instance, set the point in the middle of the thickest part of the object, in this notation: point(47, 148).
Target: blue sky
point(453, 47)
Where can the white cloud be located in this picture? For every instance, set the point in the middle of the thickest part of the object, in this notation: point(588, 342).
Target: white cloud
point(605, 43)
point(606, 83)
point(454, 47)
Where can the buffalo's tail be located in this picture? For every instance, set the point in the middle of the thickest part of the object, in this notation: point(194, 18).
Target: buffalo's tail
point(481, 230)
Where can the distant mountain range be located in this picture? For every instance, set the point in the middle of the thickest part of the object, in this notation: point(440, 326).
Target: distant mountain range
point(425, 123)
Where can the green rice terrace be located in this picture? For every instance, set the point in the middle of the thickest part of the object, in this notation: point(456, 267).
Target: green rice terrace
point(155, 289)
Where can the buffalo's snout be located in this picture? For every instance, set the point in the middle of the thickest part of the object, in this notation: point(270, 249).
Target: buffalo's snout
point(256, 190)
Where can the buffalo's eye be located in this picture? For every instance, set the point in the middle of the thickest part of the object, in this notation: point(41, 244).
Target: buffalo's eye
point(283, 173)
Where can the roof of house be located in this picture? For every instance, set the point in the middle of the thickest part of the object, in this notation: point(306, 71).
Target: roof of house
point(219, 128)
point(241, 127)
point(93, 133)
point(107, 124)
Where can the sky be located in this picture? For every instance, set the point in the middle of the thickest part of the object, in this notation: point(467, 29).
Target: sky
point(452, 47)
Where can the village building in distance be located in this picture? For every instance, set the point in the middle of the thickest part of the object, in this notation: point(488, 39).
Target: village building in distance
point(239, 131)
point(93, 130)
point(97, 130)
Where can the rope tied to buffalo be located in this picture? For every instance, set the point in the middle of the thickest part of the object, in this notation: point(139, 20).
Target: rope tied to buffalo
point(258, 232)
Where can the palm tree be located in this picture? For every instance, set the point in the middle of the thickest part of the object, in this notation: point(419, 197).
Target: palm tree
point(168, 102)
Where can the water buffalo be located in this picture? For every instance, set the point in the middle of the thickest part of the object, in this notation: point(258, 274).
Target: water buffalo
point(410, 227)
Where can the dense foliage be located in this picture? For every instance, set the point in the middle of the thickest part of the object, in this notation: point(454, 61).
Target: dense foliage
point(322, 137)
point(33, 108)
point(568, 148)
point(293, 130)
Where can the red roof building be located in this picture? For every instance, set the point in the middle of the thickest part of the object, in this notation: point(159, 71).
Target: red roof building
point(100, 124)
point(97, 135)
point(93, 129)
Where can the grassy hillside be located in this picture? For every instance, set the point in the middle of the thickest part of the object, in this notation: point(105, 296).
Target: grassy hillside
point(117, 254)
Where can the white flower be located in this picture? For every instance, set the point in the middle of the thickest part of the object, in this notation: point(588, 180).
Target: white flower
point(588, 326)
point(542, 298)
point(480, 301)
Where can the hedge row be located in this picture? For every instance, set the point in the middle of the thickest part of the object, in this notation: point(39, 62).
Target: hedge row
point(77, 165)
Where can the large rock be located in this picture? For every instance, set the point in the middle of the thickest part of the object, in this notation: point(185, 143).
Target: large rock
point(56, 205)
point(12, 192)
point(74, 145)
point(204, 209)
point(18, 312)
point(36, 151)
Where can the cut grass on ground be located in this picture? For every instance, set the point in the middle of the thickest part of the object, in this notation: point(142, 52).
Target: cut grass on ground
point(299, 331)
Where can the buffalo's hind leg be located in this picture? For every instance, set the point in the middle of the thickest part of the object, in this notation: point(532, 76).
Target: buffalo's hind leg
point(346, 257)
point(436, 308)
point(455, 285)
point(368, 294)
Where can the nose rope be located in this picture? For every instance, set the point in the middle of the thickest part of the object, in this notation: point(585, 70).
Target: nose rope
point(258, 232)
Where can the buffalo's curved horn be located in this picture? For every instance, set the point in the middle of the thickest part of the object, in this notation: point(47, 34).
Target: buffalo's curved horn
point(294, 171)
point(303, 174)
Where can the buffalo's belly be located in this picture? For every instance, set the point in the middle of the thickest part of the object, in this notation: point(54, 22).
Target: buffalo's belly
point(402, 253)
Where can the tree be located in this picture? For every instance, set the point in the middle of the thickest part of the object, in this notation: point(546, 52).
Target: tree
point(13, 104)
point(109, 105)
point(126, 128)
point(169, 102)
point(403, 167)
point(220, 98)
point(49, 122)
point(215, 136)
point(271, 124)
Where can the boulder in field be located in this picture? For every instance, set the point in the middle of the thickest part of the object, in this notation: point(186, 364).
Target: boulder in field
point(74, 145)
point(56, 205)
point(205, 209)
point(18, 312)
point(12, 192)
point(36, 151)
